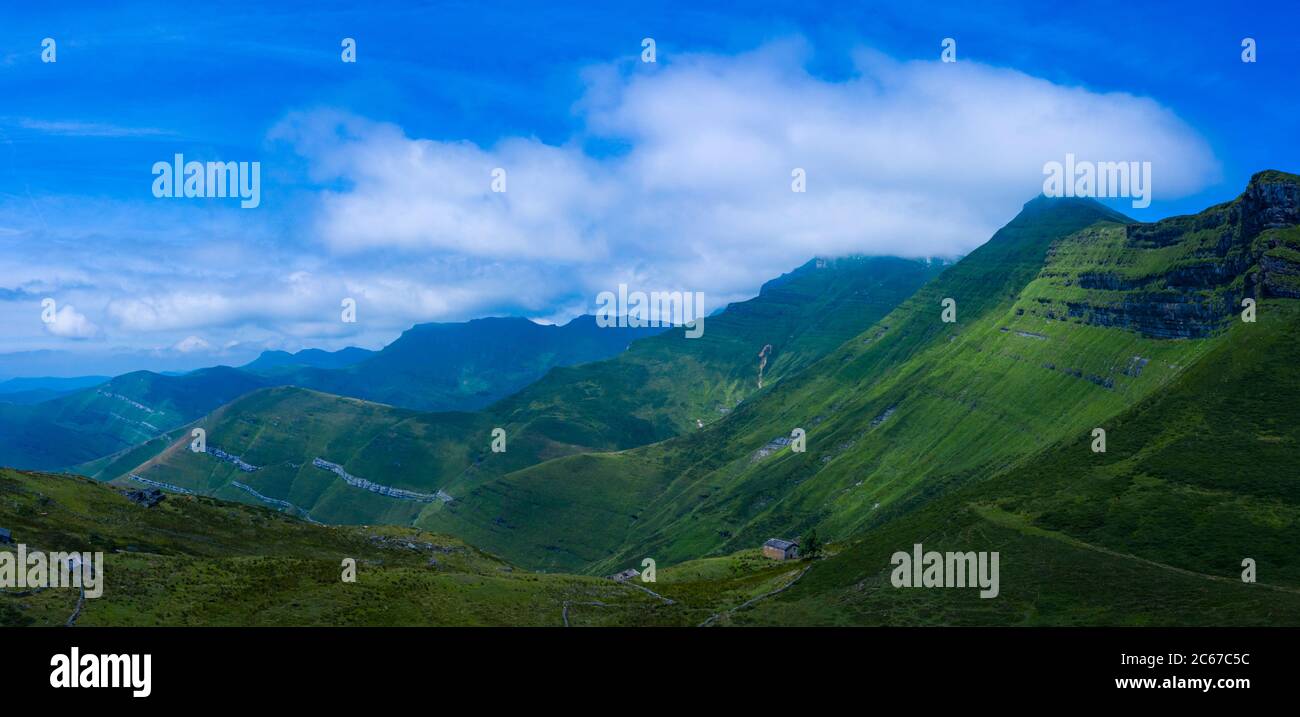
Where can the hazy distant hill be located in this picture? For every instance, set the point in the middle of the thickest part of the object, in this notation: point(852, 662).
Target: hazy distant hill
point(272, 362)
point(433, 366)
point(114, 415)
point(466, 366)
point(35, 390)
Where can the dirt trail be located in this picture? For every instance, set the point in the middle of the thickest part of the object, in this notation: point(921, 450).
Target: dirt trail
point(669, 601)
point(76, 613)
point(567, 603)
point(753, 600)
point(565, 613)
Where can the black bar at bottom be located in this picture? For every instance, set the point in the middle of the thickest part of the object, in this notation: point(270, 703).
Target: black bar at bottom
point(207, 666)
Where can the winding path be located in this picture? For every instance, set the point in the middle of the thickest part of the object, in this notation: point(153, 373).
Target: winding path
point(669, 601)
point(753, 600)
point(76, 613)
point(565, 612)
point(567, 603)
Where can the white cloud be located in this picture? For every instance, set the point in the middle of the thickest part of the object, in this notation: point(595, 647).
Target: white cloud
point(69, 323)
point(905, 158)
point(86, 129)
point(192, 344)
point(423, 196)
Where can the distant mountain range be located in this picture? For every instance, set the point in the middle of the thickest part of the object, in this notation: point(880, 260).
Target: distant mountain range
point(35, 390)
point(461, 366)
point(272, 362)
point(431, 366)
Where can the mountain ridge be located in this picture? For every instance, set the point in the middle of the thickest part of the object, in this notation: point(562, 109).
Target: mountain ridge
point(662, 386)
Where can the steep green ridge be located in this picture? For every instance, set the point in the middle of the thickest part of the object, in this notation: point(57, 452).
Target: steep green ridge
point(282, 430)
point(1049, 342)
point(200, 561)
point(657, 388)
point(113, 416)
point(667, 386)
point(115, 465)
point(1194, 480)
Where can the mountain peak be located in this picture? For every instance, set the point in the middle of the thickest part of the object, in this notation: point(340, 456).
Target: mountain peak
point(1272, 199)
point(1273, 176)
point(1044, 206)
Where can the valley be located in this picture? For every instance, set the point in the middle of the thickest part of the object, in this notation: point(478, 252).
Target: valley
point(659, 388)
point(970, 435)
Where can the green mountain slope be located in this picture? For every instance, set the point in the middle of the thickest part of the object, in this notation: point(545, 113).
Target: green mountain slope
point(680, 492)
point(657, 388)
point(668, 386)
point(1154, 531)
point(1058, 329)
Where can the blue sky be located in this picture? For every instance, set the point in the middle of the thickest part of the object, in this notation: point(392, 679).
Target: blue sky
point(621, 171)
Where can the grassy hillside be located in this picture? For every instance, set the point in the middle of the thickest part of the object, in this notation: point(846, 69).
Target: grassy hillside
point(282, 430)
point(199, 561)
point(1152, 532)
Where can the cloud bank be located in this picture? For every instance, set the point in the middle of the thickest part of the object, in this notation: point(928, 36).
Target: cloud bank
point(678, 178)
point(905, 158)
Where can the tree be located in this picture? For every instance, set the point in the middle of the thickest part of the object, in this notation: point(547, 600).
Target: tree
point(812, 545)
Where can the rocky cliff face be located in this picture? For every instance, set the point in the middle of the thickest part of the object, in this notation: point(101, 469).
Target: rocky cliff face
point(1271, 201)
point(1175, 317)
point(1183, 277)
point(1279, 274)
point(1273, 208)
